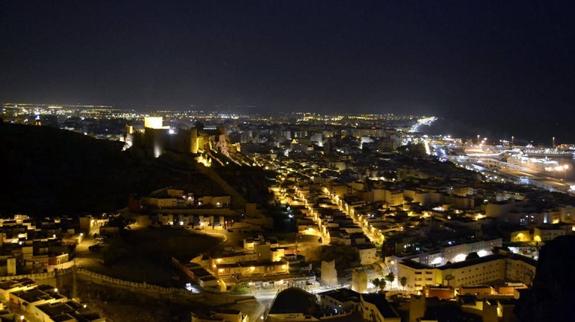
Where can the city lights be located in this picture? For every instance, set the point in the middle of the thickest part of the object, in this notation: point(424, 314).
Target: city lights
point(287, 162)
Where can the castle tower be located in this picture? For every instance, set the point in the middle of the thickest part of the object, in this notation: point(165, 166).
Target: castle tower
point(194, 144)
point(328, 273)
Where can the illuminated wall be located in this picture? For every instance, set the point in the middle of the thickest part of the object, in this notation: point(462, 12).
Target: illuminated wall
point(194, 145)
point(419, 277)
point(153, 122)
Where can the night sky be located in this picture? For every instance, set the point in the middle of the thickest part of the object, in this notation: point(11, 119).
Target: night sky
point(503, 66)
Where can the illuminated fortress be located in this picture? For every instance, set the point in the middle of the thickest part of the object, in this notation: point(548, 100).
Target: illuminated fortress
point(156, 138)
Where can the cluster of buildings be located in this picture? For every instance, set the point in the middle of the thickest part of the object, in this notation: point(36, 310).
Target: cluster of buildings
point(346, 305)
point(454, 237)
point(435, 304)
point(104, 122)
point(526, 211)
point(496, 268)
point(257, 262)
point(448, 237)
point(30, 246)
point(27, 301)
point(323, 218)
point(260, 266)
point(176, 207)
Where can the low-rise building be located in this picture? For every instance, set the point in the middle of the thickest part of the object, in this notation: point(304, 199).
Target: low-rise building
point(198, 274)
point(252, 268)
point(419, 275)
point(367, 254)
point(68, 310)
point(14, 285)
point(545, 233)
point(44, 303)
point(374, 307)
point(342, 299)
point(472, 272)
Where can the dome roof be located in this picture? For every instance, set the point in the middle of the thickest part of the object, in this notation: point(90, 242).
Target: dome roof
point(294, 300)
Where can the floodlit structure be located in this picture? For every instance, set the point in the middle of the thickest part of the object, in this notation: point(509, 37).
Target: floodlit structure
point(154, 122)
point(158, 138)
point(479, 271)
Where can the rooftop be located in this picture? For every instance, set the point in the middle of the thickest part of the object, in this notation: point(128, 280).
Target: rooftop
point(386, 310)
point(69, 310)
point(294, 300)
point(342, 295)
point(475, 261)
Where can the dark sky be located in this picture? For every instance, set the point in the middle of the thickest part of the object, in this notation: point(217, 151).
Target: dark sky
point(494, 64)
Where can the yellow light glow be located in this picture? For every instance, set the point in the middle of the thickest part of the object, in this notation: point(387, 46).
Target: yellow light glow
point(153, 122)
point(537, 238)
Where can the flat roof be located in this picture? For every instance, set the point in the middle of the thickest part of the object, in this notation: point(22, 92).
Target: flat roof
point(474, 261)
point(386, 310)
point(342, 295)
point(9, 284)
point(252, 263)
point(66, 311)
point(525, 259)
point(414, 264)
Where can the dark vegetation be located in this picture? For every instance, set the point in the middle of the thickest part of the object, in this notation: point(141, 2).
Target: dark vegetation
point(251, 182)
point(118, 304)
point(145, 254)
point(345, 257)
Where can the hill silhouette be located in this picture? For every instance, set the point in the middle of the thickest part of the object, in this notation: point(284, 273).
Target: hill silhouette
point(47, 171)
point(553, 292)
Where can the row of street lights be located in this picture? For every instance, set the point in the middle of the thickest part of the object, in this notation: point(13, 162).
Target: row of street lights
point(374, 234)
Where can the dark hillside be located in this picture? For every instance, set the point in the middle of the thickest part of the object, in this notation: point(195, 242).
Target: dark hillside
point(46, 171)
